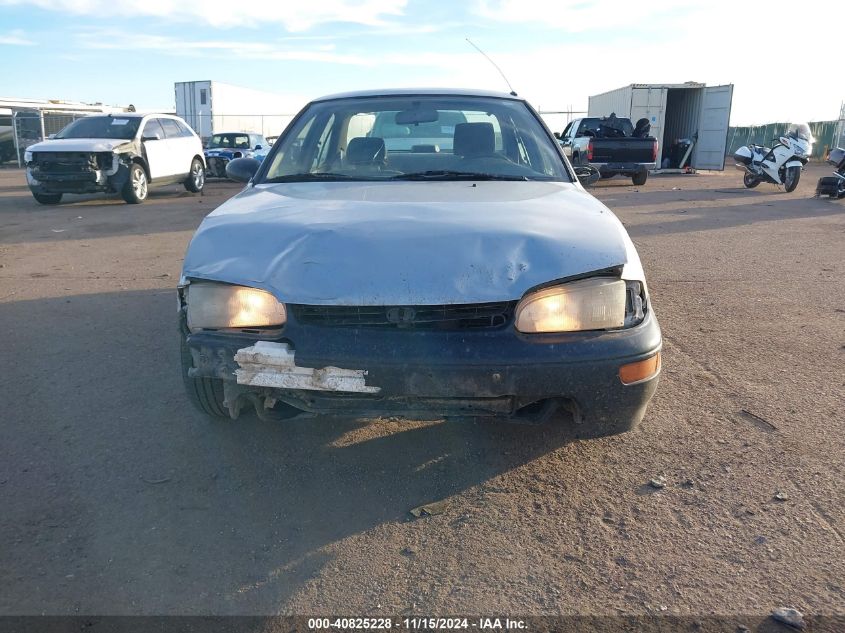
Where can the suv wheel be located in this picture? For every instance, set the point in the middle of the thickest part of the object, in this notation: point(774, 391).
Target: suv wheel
point(196, 177)
point(136, 188)
point(47, 198)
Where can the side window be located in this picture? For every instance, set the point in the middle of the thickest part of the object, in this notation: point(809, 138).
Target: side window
point(567, 129)
point(171, 130)
point(203, 96)
point(360, 124)
point(184, 130)
point(152, 129)
point(324, 144)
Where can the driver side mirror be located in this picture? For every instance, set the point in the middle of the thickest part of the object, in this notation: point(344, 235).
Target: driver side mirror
point(242, 169)
point(557, 135)
point(257, 147)
point(155, 136)
point(587, 174)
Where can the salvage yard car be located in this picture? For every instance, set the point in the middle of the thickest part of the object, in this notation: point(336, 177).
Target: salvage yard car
point(125, 153)
point(482, 280)
point(227, 146)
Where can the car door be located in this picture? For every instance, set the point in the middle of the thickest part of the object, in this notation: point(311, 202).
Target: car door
point(154, 142)
point(179, 146)
point(568, 137)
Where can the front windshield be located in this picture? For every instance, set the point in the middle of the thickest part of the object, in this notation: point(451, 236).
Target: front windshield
point(102, 127)
point(236, 141)
point(416, 138)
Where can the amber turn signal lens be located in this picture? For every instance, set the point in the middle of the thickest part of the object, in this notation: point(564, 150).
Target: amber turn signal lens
point(641, 370)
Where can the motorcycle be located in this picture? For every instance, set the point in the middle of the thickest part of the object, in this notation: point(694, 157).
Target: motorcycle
point(833, 186)
point(780, 164)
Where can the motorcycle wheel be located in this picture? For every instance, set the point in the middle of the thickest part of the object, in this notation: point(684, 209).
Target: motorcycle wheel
point(750, 181)
point(791, 178)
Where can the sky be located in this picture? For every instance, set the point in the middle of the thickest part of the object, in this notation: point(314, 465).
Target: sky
point(555, 53)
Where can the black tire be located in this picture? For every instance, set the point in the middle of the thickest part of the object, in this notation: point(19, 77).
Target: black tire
point(790, 179)
point(137, 186)
point(196, 177)
point(206, 394)
point(750, 181)
point(640, 178)
point(47, 198)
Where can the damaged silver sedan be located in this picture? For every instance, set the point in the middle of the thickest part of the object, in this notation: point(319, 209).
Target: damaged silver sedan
point(417, 253)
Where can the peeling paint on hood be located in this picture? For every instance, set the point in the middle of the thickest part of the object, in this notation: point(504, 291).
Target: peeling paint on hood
point(406, 243)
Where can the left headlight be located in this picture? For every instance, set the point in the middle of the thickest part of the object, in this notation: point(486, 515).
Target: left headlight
point(597, 303)
point(27, 156)
point(216, 305)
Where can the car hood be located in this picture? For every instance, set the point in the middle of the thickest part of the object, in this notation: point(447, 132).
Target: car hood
point(408, 243)
point(78, 145)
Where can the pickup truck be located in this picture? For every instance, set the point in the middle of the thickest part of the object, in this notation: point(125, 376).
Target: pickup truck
point(611, 145)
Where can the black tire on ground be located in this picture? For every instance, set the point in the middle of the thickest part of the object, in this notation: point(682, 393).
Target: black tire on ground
point(640, 177)
point(136, 188)
point(47, 198)
point(206, 394)
point(196, 177)
point(791, 178)
point(750, 181)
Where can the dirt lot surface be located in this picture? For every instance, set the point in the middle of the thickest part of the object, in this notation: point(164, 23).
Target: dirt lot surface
point(116, 497)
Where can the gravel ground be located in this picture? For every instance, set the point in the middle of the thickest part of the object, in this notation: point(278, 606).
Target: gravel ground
point(118, 498)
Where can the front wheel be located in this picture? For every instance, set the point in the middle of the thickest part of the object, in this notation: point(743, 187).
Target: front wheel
point(206, 394)
point(791, 178)
point(47, 198)
point(640, 178)
point(750, 181)
point(196, 177)
point(136, 188)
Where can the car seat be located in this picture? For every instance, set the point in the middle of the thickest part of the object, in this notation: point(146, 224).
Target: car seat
point(474, 140)
point(366, 151)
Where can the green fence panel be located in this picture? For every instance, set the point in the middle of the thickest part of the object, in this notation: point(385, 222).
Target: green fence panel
point(823, 131)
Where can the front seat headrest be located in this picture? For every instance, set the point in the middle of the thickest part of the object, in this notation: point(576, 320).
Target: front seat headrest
point(474, 139)
point(366, 150)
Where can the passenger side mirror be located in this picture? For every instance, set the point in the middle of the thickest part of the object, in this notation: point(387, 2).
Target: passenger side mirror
point(51, 137)
point(242, 169)
point(587, 174)
point(557, 135)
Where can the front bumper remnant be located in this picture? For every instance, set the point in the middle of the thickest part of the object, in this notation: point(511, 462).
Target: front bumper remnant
point(268, 364)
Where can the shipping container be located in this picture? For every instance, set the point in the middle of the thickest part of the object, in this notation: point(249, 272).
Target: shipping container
point(679, 115)
point(212, 107)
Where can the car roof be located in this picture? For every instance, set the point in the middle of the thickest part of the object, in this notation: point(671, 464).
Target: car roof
point(404, 92)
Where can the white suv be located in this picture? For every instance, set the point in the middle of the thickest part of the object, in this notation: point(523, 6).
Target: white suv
point(123, 153)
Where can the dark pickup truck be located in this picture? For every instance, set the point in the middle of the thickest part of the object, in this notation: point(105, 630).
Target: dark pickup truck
point(612, 145)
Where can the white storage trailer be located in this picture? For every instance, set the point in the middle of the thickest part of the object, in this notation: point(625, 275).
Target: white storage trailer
point(675, 111)
point(212, 107)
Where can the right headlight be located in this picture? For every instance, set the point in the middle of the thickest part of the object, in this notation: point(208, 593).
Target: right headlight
point(27, 156)
point(217, 306)
point(597, 303)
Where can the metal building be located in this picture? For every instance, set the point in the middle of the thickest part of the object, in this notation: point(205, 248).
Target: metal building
point(212, 107)
point(678, 113)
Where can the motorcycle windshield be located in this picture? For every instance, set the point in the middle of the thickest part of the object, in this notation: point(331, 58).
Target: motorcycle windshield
point(800, 131)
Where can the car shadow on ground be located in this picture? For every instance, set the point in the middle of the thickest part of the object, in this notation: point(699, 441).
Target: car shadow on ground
point(112, 478)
